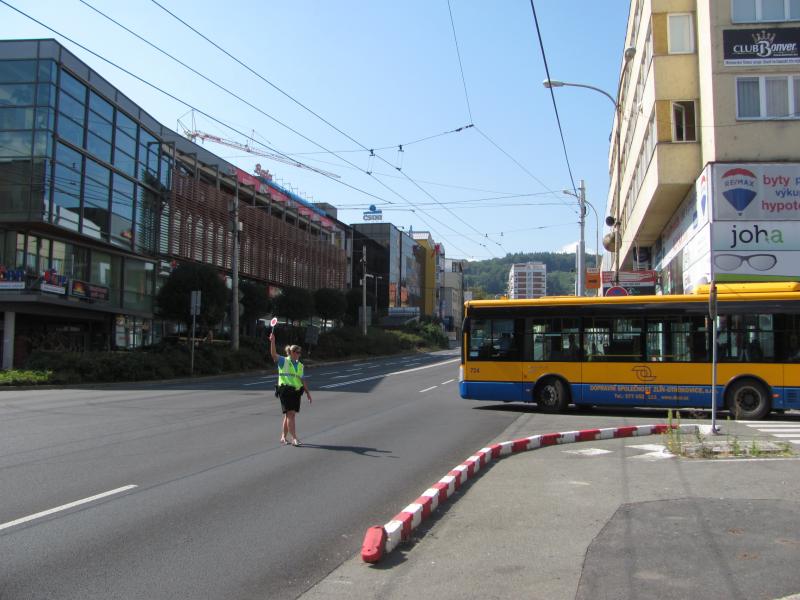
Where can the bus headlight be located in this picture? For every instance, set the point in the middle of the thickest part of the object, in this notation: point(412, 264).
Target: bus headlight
point(461, 373)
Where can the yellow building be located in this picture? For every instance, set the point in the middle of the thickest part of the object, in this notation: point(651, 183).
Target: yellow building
point(433, 267)
point(705, 141)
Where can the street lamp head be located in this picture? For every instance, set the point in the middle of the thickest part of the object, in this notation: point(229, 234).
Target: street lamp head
point(629, 53)
point(551, 83)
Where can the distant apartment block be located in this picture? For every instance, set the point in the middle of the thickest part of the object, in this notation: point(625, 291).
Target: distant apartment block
point(527, 280)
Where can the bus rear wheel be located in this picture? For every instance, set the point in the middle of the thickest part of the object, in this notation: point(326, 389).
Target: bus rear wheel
point(748, 399)
point(551, 395)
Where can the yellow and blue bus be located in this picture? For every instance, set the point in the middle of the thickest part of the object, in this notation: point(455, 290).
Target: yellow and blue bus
point(652, 351)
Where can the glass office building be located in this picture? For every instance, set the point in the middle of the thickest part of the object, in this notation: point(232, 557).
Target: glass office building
point(98, 201)
point(402, 262)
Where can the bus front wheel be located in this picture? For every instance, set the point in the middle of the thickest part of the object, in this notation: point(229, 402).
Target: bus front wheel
point(551, 395)
point(748, 399)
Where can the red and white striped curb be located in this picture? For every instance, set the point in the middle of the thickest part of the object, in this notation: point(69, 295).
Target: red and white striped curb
point(380, 540)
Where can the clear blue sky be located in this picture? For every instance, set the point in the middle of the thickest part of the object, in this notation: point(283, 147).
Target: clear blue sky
point(386, 73)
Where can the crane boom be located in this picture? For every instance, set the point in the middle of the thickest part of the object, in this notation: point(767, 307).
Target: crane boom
point(203, 136)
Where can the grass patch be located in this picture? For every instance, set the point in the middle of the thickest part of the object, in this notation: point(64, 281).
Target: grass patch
point(699, 445)
point(18, 377)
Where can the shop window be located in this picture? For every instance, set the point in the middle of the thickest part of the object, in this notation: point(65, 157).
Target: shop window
point(138, 286)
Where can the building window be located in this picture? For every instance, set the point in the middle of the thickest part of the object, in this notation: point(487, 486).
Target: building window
point(768, 97)
point(684, 127)
point(755, 11)
point(681, 34)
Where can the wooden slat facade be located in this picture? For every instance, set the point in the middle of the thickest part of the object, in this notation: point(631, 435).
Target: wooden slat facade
point(198, 226)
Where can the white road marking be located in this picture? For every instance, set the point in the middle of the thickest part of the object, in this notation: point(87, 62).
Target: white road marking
point(342, 383)
point(340, 376)
point(45, 513)
point(588, 452)
point(264, 380)
point(428, 389)
point(448, 381)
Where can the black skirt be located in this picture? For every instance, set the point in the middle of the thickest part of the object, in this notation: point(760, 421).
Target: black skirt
point(290, 398)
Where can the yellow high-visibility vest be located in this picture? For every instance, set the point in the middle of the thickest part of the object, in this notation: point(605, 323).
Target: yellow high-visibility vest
point(289, 375)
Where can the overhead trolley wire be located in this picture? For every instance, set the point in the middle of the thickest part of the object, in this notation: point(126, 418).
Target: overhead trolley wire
point(469, 110)
point(189, 105)
point(317, 115)
point(553, 98)
point(460, 65)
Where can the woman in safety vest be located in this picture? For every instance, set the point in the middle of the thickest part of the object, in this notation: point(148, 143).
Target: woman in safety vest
point(291, 386)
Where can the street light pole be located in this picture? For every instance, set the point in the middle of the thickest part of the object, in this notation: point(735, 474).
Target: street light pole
point(364, 289)
point(582, 243)
point(376, 278)
point(235, 273)
point(629, 53)
point(580, 288)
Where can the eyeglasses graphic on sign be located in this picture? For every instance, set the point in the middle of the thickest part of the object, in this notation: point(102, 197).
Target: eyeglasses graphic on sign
point(757, 262)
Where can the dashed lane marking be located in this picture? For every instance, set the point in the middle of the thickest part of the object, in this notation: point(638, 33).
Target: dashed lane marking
point(64, 507)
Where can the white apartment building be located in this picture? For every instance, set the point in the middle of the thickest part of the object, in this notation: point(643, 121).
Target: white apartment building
point(527, 280)
point(705, 157)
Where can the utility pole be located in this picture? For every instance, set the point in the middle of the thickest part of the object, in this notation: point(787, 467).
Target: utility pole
point(235, 273)
point(581, 254)
point(364, 288)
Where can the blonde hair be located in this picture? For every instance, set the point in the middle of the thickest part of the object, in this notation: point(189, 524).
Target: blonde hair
point(292, 348)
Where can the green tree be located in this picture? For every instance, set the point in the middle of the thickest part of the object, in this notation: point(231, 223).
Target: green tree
point(174, 298)
point(330, 304)
point(256, 303)
point(295, 304)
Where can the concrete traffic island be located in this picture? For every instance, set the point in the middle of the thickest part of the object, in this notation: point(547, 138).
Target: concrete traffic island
point(381, 540)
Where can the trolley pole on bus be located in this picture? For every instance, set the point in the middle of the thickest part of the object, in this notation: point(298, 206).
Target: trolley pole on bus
point(712, 312)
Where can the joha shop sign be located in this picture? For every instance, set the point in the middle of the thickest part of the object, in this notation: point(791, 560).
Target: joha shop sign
point(761, 46)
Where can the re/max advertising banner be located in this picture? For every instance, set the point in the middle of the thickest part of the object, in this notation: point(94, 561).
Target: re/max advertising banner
point(761, 46)
point(756, 192)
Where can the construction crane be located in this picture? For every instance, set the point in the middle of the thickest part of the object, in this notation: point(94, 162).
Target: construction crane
point(203, 136)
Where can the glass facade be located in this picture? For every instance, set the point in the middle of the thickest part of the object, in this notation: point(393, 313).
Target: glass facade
point(72, 159)
point(404, 265)
point(107, 170)
point(26, 124)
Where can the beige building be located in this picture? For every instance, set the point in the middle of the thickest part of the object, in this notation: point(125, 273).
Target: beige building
point(527, 280)
point(705, 143)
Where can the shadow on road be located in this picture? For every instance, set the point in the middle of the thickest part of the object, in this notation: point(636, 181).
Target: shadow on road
point(363, 451)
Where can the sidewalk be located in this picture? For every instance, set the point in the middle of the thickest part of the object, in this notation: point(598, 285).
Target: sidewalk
point(601, 519)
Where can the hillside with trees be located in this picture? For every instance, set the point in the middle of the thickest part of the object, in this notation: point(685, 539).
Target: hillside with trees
point(487, 278)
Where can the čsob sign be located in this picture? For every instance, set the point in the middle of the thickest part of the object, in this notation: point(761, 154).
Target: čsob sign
point(373, 214)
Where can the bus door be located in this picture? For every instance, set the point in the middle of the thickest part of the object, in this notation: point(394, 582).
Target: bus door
point(553, 349)
point(493, 367)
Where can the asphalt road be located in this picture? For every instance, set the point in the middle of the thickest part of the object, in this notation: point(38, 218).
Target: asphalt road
point(615, 519)
point(177, 490)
